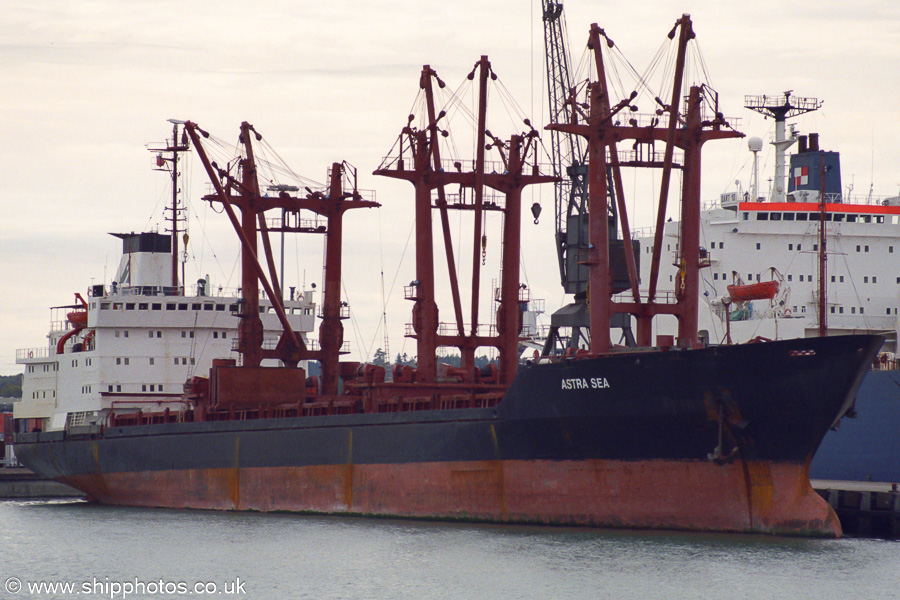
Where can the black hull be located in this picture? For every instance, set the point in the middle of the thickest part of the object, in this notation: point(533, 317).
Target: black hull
point(770, 404)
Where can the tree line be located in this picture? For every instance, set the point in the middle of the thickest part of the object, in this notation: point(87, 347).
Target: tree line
point(11, 386)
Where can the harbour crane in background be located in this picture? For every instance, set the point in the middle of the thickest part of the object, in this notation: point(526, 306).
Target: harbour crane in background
point(570, 164)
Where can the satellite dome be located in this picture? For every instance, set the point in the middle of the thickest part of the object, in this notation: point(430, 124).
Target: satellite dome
point(755, 144)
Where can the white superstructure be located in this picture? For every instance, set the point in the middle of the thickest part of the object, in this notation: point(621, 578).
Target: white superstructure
point(134, 344)
point(746, 237)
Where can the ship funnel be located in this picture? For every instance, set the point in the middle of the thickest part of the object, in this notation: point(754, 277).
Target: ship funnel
point(801, 144)
point(814, 142)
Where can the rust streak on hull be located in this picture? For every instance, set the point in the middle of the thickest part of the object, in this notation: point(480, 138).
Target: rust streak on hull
point(690, 495)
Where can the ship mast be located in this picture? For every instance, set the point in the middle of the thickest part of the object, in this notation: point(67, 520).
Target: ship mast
point(173, 148)
point(781, 107)
point(823, 257)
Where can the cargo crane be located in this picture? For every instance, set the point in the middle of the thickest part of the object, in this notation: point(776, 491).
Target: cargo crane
point(569, 156)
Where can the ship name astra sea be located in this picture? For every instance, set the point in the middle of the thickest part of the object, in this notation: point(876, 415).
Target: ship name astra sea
point(583, 383)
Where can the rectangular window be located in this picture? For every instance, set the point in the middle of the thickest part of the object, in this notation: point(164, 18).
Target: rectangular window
point(142, 306)
point(874, 279)
point(156, 306)
point(129, 306)
point(126, 360)
point(118, 360)
point(215, 335)
point(857, 248)
point(866, 279)
point(159, 334)
point(118, 388)
point(758, 246)
point(867, 248)
point(790, 277)
point(833, 278)
point(763, 216)
point(790, 246)
point(150, 334)
point(841, 279)
point(152, 361)
point(841, 309)
point(788, 216)
point(802, 217)
point(801, 278)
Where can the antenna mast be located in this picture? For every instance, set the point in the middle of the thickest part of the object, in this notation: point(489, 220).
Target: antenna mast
point(168, 155)
point(781, 107)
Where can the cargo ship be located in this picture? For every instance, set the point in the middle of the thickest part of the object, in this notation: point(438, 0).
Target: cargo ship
point(666, 434)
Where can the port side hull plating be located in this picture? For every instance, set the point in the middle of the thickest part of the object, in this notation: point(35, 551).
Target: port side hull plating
point(618, 441)
point(743, 497)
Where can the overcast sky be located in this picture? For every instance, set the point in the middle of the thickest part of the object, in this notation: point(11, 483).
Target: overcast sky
point(87, 85)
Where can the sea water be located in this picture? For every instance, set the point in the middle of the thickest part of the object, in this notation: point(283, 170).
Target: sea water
point(72, 549)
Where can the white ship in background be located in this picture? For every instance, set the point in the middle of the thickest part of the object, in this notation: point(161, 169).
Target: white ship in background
point(131, 345)
point(750, 238)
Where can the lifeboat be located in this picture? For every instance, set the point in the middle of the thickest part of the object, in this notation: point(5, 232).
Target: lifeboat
point(78, 318)
point(763, 290)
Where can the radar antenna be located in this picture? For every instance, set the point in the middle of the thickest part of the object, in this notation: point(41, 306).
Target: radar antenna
point(781, 107)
